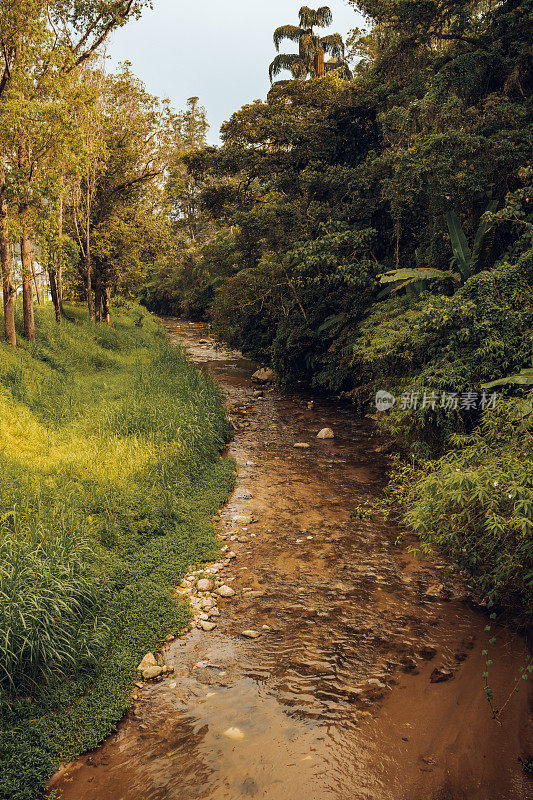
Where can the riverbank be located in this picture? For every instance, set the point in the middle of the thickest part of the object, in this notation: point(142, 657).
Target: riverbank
point(111, 475)
point(334, 698)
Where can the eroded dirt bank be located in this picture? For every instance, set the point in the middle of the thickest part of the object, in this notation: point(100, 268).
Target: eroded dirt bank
point(334, 699)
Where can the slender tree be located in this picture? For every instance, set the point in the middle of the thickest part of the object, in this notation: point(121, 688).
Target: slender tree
point(183, 188)
point(8, 290)
point(138, 136)
point(310, 59)
point(74, 30)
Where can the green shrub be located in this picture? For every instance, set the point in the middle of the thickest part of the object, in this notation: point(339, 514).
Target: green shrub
point(476, 504)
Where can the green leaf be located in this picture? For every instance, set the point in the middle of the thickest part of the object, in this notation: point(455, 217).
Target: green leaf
point(523, 378)
point(460, 247)
point(414, 274)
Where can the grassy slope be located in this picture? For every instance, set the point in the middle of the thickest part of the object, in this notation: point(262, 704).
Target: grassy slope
point(110, 474)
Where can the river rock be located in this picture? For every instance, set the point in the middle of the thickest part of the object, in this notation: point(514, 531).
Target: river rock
point(251, 634)
point(148, 661)
point(325, 433)
point(234, 733)
point(302, 445)
point(225, 591)
point(434, 592)
point(205, 585)
point(207, 626)
point(264, 375)
point(152, 672)
point(440, 674)
point(244, 519)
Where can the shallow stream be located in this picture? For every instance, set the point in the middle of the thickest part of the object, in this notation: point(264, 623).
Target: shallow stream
point(334, 698)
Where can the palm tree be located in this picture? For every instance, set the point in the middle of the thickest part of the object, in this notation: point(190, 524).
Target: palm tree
point(311, 48)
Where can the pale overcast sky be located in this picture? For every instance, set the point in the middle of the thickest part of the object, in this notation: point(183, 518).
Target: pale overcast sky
point(218, 50)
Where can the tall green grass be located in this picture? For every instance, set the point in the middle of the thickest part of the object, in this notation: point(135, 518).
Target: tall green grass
point(109, 476)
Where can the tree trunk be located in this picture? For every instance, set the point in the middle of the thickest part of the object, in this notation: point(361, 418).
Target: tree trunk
point(55, 295)
point(98, 303)
point(319, 63)
point(59, 274)
point(88, 256)
point(5, 259)
point(27, 293)
point(35, 283)
point(106, 316)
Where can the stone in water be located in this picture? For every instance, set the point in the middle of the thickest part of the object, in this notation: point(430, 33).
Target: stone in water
point(234, 733)
point(251, 634)
point(148, 661)
point(152, 672)
point(265, 375)
point(225, 591)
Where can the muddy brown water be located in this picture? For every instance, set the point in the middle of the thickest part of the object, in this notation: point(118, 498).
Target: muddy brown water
point(334, 699)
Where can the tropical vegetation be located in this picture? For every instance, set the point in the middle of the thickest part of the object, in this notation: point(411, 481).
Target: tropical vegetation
point(367, 227)
point(375, 232)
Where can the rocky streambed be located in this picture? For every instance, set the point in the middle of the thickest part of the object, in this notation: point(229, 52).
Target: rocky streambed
point(323, 662)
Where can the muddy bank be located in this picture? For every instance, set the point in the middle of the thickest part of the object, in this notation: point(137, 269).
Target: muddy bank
point(334, 698)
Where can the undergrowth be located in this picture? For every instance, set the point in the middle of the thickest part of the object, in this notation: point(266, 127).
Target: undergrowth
point(110, 474)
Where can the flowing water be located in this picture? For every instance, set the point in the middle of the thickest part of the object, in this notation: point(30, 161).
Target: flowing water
point(334, 699)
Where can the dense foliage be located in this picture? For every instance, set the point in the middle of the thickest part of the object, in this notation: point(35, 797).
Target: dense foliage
point(377, 233)
point(110, 476)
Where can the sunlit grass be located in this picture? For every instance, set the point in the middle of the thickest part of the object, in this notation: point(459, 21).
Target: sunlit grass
point(109, 476)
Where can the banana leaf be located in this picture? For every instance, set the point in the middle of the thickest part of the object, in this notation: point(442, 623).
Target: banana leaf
point(523, 378)
point(461, 250)
point(414, 274)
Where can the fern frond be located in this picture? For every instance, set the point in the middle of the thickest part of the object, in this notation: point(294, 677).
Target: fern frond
point(333, 45)
point(290, 61)
point(324, 16)
point(291, 32)
point(321, 17)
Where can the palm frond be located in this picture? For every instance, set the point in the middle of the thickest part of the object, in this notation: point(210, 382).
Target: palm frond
point(324, 16)
point(333, 45)
point(321, 17)
point(290, 61)
point(291, 32)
